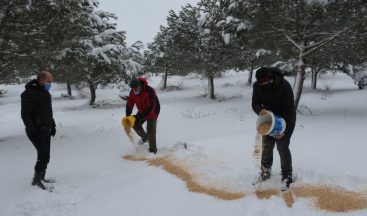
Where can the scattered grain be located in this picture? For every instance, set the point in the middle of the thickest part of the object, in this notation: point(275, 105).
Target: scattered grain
point(264, 128)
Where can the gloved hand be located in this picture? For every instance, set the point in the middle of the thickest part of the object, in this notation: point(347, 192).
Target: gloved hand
point(124, 98)
point(53, 131)
point(263, 112)
point(280, 136)
point(138, 119)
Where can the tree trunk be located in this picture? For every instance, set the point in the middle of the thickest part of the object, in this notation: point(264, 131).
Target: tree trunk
point(249, 81)
point(92, 90)
point(211, 86)
point(165, 78)
point(300, 78)
point(314, 78)
point(68, 86)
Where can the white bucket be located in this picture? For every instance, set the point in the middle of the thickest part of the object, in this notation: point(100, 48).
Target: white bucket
point(278, 124)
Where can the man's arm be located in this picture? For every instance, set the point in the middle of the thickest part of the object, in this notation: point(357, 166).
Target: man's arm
point(53, 124)
point(129, 105)
point(256, 102)
point(289, 108)
point(152, 97)
point(157, 105)
point(27, 107)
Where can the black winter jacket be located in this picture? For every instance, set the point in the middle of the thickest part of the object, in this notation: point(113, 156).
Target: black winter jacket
point(36, 108)
point(278, 98)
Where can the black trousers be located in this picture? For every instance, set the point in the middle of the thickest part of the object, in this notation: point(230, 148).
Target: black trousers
point(150, 134)
point(41, 142)
point(268, 144)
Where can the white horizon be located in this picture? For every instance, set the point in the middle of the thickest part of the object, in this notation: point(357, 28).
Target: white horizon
point(141, 18)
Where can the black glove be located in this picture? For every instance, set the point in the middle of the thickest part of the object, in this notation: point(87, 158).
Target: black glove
point(53, 131)
point(124, 98)
point(138, 119)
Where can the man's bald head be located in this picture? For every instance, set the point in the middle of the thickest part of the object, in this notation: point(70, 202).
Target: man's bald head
point(44, 77)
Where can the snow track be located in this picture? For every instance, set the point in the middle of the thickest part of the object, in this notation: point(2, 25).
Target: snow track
point(213, 140)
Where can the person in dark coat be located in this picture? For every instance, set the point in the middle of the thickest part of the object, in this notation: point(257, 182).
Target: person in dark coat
point(272, 92)
point(147, 103)
point(37, 115)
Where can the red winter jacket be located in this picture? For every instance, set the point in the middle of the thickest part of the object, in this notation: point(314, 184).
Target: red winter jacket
point(147, 102)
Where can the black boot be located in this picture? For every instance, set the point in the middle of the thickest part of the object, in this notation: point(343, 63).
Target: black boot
point(37, 181)
point(265, 173)
point(153, 151)
point(287, 180)
point(46, 180)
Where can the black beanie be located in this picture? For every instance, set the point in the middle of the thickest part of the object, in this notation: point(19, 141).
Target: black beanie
point(134, 83)
point(264, 74)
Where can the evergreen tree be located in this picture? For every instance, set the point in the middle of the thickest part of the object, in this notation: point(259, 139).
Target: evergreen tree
point(24, 36)
point(298, 29)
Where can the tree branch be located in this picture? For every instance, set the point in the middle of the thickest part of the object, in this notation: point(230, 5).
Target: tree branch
point(290, 39)
point(320, 44)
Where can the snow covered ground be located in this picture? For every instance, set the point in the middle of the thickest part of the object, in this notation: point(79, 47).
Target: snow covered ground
point(328, 147)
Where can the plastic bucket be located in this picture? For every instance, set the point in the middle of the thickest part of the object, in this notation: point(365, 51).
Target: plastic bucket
point(278, 124)
point(129, 120)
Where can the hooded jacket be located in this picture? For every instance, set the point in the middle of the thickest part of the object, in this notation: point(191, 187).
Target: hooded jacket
point(146, 102)
point(276, 97)
point(36, 108)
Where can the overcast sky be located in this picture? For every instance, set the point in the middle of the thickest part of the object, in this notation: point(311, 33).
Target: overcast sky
point(142, 18)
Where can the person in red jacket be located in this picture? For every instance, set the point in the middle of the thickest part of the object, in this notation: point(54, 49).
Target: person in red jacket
point(147, 103)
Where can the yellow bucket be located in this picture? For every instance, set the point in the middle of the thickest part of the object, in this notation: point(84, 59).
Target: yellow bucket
point(128, 121)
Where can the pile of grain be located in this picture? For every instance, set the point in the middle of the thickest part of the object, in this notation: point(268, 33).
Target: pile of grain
point(179, 170)
point(270, 192)
point(331, 198)
point(134, 158)
point(325, 197)
point(267, 193)
point(288, 199)
point(264, 128)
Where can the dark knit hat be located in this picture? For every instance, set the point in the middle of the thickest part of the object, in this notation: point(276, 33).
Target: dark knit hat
point(135, 83)
point(264, 74)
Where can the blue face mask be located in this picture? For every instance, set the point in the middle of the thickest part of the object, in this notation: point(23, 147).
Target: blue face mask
point(47, 86)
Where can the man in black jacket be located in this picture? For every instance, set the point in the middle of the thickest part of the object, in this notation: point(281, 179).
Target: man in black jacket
point(272, 92)
point(39, 124)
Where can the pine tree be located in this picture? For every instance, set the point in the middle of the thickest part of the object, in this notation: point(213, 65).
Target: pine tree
point(94, 52)
point(24, 39)
point(102, 59)
point(250, 52)
point(300, 29)
point(198, 42)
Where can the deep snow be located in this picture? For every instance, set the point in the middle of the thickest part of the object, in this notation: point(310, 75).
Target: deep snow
point(328, 147)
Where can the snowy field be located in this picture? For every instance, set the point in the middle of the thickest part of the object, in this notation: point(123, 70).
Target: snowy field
point(213, 140)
